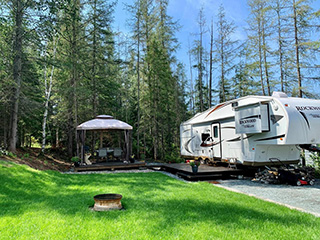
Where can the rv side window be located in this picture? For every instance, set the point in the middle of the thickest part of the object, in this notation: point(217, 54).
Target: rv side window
point(215, 131)
point(204, 136)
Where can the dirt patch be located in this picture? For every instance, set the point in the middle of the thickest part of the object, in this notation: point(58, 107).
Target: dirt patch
point(33, 158)
point(214, 182)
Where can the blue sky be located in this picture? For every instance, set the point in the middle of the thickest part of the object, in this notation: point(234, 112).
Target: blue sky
point(186, 13)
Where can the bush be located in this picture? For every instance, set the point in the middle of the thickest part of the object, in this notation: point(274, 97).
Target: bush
point(75, 159)
point(12, 155)
point(316, 163)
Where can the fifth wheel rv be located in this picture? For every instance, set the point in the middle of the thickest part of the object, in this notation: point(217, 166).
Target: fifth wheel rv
point(253, 130)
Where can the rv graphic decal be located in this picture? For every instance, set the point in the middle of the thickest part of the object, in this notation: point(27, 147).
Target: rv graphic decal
point(217, 107)
point(305, 118)
point(208, 144)
point(186, 145)
point(315, 112)
point(238, 139)
point(271, 138)
point(275, 118)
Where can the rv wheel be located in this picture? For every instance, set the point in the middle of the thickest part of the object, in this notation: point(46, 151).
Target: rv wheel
point(205, 161)
point(311, 182)
point(298, 183)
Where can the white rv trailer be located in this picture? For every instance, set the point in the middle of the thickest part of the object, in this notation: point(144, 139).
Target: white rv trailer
point(252, 130)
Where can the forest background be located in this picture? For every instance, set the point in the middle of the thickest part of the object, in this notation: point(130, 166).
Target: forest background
point(63, 62)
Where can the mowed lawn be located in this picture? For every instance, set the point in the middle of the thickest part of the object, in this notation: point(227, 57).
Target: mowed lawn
point(50, 205)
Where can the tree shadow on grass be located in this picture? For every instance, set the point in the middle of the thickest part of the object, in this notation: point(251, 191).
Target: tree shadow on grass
point(190, 214)
point(69, 194)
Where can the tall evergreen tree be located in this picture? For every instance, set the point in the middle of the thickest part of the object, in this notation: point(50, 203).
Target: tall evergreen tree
point(259, 34)
point(72, 33)
point(199, 54)
point(225, 53)
point(302, 28)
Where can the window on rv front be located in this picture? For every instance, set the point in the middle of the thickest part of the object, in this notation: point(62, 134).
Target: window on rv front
point(205, 136)
point(215, 131)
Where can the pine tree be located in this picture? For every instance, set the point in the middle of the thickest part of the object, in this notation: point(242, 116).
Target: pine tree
point(199, 54)
point(302, 27)
point(260, 25)
point(69, 53)
point(225, 52)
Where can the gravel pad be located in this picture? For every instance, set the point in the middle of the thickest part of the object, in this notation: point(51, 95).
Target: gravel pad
point(304, 198)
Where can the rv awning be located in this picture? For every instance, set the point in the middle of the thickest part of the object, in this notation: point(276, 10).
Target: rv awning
point(104, 122)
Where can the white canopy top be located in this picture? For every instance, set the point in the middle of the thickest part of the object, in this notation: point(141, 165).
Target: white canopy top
point(104, 122)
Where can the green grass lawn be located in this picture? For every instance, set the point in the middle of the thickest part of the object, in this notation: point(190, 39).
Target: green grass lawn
point(50, 205)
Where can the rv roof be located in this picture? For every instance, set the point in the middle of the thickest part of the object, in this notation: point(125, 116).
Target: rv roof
point(279, 95)
point(255, 99)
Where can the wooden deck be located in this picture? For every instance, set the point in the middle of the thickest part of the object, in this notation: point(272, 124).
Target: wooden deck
point(204, 172)
point(109, 166)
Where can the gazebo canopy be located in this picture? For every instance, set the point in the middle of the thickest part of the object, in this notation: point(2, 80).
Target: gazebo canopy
point(104, 122)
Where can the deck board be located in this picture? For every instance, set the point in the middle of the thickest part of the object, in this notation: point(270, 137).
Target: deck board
point(109, 166)
point(184, 170)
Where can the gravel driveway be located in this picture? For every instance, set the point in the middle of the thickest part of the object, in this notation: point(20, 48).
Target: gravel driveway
point(304, 198)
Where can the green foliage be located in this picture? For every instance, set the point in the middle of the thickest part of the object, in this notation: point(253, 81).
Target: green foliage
point(12, 155)
point(75, 159)
point(161, 96)
point(316, 163)
point(194, 163)
point(51, 205)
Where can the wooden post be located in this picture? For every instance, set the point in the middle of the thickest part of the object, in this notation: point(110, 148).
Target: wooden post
point(82, 137)
point(101, 139)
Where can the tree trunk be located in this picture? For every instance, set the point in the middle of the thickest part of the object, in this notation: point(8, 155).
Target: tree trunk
point(48, 95)
point(265, 63)
point(223, 93)
point(138, 83)
point(57, 138)
point(200, 70)
point(200, 52)
point(280, 47)
point(191, 82)
point(296, 40)
point(210, 67)
point(17, 71)
point(260, 58)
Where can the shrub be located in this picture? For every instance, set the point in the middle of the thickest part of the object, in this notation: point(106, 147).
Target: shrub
point(75, 159)
point(316, 163)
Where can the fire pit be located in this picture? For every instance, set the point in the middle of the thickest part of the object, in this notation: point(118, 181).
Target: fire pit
point(106, 202)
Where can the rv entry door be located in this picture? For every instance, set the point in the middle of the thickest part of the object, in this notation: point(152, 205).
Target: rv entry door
point(216, 136)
